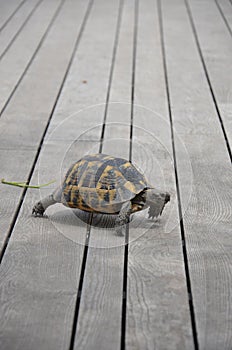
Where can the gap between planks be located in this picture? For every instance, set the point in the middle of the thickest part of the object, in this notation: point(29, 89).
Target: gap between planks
point(185, 254)
point(28, 65)
point(47, 126)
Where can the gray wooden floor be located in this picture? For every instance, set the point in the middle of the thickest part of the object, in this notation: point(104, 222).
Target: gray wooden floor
point(147, 80)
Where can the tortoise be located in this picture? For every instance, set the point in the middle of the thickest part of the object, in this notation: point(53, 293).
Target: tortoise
point(100, 183)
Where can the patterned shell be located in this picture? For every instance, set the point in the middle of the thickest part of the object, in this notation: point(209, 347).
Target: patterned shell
point(101, 183)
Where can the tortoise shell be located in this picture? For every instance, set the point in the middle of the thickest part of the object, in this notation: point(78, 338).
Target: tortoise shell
point(101, 183)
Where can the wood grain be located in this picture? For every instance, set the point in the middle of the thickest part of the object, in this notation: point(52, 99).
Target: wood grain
point(41, 266)
point(217, 52)
point(8, 10)
point(226, 12)
point(33, 110)
point(207, 219)
point(157, 310)
point(62, 235)
point(10, 32)
point(39, 280)
point(12, 170)
point(99, 325)
point(15, 60)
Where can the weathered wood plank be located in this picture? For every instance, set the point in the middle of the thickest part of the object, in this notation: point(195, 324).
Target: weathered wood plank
point(33, 109)
point(38, 284)
point(207, 220)
point(94, 317)
point(8, 10)
point(217, 54)
point(38, 289)
point(52, 288)
point(225, 9)
point(80, 113)
point(42, 262)
point(100, 314)
point(15, 61)
point(11, 168)
point(157, 308)
point(11, 31)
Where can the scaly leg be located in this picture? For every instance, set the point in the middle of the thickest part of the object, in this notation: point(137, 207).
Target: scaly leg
point(42, 205)
point(123, 218)
point(156, 200)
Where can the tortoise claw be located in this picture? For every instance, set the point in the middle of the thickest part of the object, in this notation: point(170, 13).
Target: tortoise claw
point(154, 212)
point(38, 210)
point(150, 214)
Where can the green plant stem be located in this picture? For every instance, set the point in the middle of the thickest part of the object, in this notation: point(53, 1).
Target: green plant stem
point(24, 184)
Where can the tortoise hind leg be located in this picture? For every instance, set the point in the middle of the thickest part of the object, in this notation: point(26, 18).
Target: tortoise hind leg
point(123, 218)
point(40, 207)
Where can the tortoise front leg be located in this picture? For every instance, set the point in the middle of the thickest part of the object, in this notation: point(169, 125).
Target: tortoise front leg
point(156, 200)
point(123, 218)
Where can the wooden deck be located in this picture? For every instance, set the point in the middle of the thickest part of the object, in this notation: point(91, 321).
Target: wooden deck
point(147, 80)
